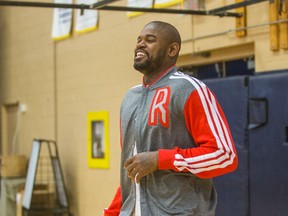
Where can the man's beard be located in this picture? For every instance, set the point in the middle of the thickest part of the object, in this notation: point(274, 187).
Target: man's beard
point(140, 66)
point(149, 64)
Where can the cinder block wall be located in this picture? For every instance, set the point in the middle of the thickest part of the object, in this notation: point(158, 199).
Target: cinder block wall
point(60, 82)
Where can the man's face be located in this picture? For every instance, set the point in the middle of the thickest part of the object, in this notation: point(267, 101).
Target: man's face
point(150, 51)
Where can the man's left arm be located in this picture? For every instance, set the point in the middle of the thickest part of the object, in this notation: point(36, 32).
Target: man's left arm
point(215, 153)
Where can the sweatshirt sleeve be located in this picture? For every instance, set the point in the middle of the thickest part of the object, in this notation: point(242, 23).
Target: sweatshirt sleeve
point(215, 153)
point(115, 206)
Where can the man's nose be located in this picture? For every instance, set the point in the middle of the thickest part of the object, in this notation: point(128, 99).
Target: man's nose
point(140, 44)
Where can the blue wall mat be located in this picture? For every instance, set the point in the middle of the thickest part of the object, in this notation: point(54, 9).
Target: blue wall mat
point(232, 189)
point(268, 145)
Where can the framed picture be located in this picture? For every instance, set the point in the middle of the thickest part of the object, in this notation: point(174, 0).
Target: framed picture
point(98, 140)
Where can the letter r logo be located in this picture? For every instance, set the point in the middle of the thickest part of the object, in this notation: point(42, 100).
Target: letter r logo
point(159, 111)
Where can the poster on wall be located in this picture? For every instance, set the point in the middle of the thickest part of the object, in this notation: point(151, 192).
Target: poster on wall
point(149, 4)
point(166, 3)
point(138, 4)
point(98, 140)
point(89, 20)
point(62, 21)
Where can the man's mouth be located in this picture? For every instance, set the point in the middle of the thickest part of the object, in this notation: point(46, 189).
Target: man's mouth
point(140, 54)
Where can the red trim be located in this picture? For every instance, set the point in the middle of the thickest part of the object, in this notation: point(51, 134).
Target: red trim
point(158, 77)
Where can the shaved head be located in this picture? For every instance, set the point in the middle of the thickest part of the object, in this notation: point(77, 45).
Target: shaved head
point(170, 32)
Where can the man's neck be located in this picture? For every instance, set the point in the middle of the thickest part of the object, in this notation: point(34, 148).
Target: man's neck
point(150, 77)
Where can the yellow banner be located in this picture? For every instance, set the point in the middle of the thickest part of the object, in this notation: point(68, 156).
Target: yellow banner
point(89, 20)
point(62, 21)
point(167, 3)
point(138, 4)
point(149, 4)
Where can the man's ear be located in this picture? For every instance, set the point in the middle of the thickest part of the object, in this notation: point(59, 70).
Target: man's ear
point(174, 49)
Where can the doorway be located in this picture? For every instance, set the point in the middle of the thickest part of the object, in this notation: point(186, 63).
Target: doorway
point(220, 69)
point(9, 128)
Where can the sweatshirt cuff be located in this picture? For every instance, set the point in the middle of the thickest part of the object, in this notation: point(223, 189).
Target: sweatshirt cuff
point(166, 159)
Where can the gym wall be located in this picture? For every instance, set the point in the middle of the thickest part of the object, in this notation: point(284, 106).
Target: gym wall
point(60, 82)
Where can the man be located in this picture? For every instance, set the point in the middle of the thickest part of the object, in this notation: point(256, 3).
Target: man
point(174, 136)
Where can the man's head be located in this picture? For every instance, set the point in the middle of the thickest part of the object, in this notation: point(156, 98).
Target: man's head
point(157, 48)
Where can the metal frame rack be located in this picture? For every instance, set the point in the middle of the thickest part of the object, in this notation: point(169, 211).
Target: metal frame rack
point(104, 5)
point(45, 192)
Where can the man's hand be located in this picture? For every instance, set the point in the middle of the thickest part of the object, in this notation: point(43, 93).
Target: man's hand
point(141, 165)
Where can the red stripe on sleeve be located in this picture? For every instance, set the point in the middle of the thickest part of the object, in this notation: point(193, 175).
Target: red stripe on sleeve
point(215, 153)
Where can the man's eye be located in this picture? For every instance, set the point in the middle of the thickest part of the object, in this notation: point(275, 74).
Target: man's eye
point(150, 40)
